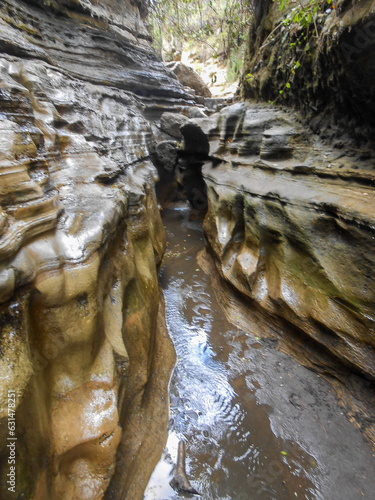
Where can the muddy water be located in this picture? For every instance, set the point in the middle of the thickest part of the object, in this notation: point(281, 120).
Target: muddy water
point(231, 450)
point(224, 392)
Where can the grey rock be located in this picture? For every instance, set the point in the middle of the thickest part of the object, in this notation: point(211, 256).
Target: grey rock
point(196, 113)
point(335, 86)
point(171, 123)
point(166, 155)
point(190, 78)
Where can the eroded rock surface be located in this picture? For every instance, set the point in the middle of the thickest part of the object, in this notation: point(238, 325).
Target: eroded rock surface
point(82, 326)
point(291, 225)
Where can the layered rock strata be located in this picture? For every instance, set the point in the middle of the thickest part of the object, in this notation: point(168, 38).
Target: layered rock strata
point(83, 341)
point(291, 225)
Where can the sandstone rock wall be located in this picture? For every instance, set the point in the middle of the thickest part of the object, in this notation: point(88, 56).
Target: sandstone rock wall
point(82, 326)
point(291, 225)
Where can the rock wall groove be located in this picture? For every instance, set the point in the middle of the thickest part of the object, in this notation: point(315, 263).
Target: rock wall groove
point(83, 340)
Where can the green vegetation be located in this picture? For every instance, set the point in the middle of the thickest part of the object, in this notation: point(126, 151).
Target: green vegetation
point(301, 28)
point(304, 13)
point(213, 28)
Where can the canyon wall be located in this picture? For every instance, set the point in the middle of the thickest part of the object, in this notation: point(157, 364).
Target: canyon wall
point(327, 69)
point(85, 357)
point(290, 224)
point(84, 354)
point(290, 220)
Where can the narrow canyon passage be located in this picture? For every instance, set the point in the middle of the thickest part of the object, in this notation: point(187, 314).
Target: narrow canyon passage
point(92, 125)
point(257, 425)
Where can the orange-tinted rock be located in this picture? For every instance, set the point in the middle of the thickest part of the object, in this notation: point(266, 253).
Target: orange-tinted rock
point(80, 241)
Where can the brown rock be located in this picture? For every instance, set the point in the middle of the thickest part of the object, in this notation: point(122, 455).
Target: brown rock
point(291, 225)
point(81, 317)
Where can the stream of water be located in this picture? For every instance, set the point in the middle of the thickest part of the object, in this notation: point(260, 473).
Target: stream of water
point(231, 450)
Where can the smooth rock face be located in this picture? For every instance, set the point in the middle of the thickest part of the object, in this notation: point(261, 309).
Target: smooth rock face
point(81, 323)
point(291, 225)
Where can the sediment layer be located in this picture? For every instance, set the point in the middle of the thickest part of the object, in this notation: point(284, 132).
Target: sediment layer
point(290, 224)
point(83, 341)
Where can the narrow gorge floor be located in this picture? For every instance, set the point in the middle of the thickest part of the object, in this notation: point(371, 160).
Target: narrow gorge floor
point(257, 425)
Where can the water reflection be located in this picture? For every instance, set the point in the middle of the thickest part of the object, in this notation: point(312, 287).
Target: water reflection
point(231, 450)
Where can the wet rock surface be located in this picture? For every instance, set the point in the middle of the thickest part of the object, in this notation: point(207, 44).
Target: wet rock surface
point(83, 340)
point(290, 223)
point(83, 336)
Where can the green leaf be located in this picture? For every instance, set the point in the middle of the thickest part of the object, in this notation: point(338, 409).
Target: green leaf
point(280, 91)
point(287, 85)
point(298, 64)
point(284, 453)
